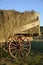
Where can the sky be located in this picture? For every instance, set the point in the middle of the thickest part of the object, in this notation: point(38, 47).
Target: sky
point(23, 5)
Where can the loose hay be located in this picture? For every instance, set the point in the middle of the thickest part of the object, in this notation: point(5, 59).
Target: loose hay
point(10, 20)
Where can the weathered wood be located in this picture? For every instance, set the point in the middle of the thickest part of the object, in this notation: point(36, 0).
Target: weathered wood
point(27, 27)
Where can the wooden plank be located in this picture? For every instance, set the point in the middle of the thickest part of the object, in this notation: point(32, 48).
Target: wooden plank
point(27, 27)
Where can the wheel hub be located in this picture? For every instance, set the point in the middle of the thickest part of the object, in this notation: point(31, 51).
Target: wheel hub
point(18, 46)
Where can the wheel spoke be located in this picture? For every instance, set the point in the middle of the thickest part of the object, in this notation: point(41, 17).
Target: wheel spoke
point(24, 51)
point(19, 53)
point(14, 51)
point(14, 44)
point(13, 48)
point(22, 54)
point(26, 45)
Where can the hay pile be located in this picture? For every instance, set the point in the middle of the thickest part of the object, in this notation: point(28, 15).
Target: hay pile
point(10, 20)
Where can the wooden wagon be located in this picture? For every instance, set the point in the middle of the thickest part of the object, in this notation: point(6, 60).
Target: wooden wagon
point(16, 31)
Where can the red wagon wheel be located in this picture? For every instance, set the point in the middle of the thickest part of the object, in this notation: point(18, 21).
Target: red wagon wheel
point(19, 47)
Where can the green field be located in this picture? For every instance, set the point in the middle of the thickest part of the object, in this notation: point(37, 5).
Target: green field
point(37, 46)
point(35, 57)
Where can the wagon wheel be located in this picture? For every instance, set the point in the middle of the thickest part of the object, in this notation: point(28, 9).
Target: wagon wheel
point(20, 47)
point(5, 46)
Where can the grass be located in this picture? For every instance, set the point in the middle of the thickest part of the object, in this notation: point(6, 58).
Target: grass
point(35, 57)
point(37, 46)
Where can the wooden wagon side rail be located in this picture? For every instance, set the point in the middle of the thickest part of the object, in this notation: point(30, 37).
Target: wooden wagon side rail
point(27, 27)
